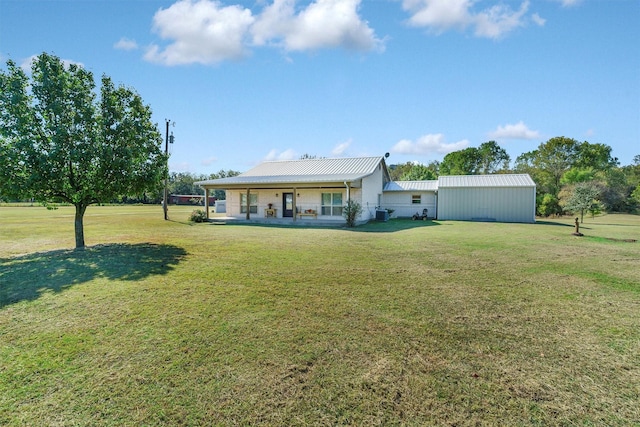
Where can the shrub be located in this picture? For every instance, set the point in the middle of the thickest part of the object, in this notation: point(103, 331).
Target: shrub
point(351, 212)
point(198, 215)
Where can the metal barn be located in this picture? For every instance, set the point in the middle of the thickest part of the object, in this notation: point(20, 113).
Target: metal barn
point(502, 198)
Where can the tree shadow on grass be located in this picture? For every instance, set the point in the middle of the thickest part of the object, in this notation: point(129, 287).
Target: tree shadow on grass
point(26, 277)
point(393, 225)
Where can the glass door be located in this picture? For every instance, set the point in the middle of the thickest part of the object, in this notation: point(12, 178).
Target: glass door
point(287, 205)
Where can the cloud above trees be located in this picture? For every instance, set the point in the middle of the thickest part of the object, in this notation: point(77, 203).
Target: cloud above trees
point(209, 32)
point(428, 145)
point(514, 131)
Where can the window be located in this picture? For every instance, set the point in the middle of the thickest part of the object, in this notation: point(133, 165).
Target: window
point(416, 199)
point(332, 204)
point(253, 203)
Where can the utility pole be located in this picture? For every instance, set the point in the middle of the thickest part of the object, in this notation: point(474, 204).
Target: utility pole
point(166, 178)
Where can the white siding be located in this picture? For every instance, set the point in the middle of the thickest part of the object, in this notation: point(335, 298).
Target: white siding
point(370, 194)
point(401, 203)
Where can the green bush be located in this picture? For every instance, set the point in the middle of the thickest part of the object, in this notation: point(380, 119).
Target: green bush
point(198, 215)
point(351, 212)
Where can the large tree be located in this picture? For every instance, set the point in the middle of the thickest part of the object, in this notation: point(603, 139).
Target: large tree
point(61, 143)
point(488, 158)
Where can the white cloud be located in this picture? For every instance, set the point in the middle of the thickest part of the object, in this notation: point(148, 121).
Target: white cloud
point(441, 15)
point(499, 20)
point(339, 149)
point(328, 23)
point(568, 3)
point(538, 20)
point(284, 155)
point(515, 131)
point(125, 44)
point(427, 145)
point(207, 32)
point(203, 32)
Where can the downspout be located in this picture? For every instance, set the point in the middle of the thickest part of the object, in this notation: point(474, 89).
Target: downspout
point(348, 191)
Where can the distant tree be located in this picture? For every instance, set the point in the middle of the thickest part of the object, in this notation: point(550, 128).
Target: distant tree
point(492, 158)
point(221, 194)
point(488, 158)
point(594, 156)
point(397, 171)
point(550, 161)
point(307, 156)
point(581, 197)
point(183, 183)
point(548, 205)
point(60, 144)
point(575, 175)
point(463, 162)
point(418, 173)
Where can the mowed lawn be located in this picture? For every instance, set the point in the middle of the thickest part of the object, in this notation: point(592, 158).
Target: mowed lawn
point(399, 323)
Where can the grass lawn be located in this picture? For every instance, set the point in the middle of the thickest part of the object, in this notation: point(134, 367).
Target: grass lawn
point(399, 323)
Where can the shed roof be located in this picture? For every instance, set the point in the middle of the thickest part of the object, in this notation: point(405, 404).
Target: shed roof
point(302, 171)
point(411, 186)
point(500, 180)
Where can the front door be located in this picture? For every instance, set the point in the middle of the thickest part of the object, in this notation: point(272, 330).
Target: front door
point(287, 205)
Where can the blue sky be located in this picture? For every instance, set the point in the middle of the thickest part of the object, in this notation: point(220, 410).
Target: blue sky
point(247, 81)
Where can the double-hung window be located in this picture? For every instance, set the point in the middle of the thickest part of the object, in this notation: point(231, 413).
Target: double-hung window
point(416, 199)
point(253, 203)
point(332, 204)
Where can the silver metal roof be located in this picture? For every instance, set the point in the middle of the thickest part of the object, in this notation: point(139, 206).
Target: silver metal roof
point(302, 171)
point(411, 186)
point(500, 180)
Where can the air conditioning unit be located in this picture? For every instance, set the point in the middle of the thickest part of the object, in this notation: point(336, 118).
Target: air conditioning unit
point(382, 215)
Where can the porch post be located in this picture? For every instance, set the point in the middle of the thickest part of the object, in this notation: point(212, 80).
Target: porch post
point(248, 203)
point(206, 201)
point(295, 205)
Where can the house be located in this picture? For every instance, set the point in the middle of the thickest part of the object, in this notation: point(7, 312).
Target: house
point(304, 189)
point(317, 190)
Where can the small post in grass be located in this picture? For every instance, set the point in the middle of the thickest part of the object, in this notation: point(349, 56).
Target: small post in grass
point(577, 232)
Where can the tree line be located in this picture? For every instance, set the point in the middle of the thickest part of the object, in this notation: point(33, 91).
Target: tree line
point(570, 176)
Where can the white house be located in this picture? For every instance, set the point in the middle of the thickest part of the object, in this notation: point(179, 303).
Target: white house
point(316, 190)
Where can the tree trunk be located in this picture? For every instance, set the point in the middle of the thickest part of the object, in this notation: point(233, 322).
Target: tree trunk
point(79, 226)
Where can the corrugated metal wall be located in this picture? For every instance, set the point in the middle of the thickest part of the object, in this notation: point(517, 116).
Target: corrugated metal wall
point(487, 204)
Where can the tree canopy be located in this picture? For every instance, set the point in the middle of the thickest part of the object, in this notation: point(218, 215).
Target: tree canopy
point(62, 143)
point(488, 158)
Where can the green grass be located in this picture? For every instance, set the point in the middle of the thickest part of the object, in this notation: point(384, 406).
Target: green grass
point(398, 323)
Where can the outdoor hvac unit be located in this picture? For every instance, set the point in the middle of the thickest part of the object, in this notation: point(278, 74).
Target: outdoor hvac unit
point(382, 216)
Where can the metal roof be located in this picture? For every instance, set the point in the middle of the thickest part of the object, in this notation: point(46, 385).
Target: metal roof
point(302, 171)
point(411, 186)
point(500, 180)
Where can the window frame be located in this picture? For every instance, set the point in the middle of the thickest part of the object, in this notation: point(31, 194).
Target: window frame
point(253, 203)
point(335, 206)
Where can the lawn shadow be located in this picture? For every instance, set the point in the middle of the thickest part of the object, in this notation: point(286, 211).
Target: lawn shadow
point(26, 277)
point(393, 225)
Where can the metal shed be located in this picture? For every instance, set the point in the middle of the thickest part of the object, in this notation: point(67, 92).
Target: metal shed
point(502, 198)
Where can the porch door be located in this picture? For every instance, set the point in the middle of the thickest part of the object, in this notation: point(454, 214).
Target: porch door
point(287, 205)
